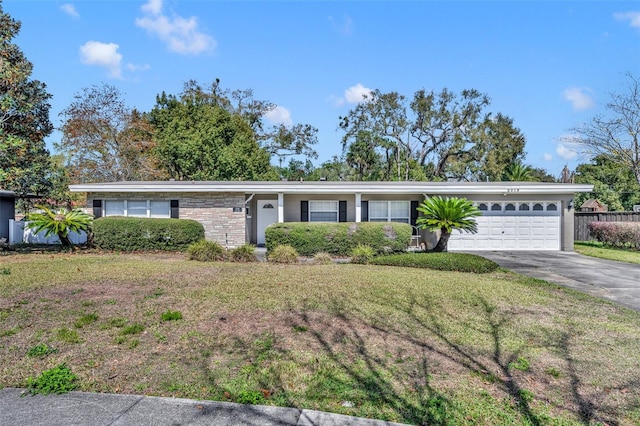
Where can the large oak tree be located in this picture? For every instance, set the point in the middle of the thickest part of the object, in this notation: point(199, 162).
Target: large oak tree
point(437, 135)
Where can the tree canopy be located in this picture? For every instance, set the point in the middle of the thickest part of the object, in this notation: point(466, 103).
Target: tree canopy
point(613, 183)
point(24, 118)
point(105, 141)
point(200, 138)
point(436, 136)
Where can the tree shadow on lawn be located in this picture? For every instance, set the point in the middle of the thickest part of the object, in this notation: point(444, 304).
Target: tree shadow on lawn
point(362, 376)
point(492, 323)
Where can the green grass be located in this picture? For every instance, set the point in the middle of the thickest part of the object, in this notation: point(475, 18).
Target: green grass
point(85, 319)
point(404, 344)
point(59, 379)
point(596, 249)
point(170, 315)
point(41, 350)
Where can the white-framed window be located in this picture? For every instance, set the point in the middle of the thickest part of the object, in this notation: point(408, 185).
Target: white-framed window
point(323, 211)
point(115, 208)
point(390, 211)
point(138, 208)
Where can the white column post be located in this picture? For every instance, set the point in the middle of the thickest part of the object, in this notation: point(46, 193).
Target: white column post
point(280, 207)
point(358, 207)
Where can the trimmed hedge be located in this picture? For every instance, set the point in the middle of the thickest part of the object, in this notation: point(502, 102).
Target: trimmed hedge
point(617, 234)
point(309, 238)
point(135, 233)
point(460, 262)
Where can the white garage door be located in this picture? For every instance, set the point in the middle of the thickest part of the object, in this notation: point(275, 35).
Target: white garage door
point(513, 226)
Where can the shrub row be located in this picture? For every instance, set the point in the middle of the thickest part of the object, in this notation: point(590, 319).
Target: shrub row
point(134, 233)
point(460, 262)
point(617, 234)
point(339, 238)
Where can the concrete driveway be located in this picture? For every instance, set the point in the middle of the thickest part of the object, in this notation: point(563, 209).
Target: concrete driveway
point(607, 279)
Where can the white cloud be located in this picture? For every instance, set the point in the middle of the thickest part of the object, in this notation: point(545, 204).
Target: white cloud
point(579, 97)
point(152, 7)
point(279, 115)
point(134, 67)
point(70, 10)
point(181, 35)
point(103, 55)
point(356, 94)
point(548, 157)
point(345, 26)
point(565, 152)
point(632, 17)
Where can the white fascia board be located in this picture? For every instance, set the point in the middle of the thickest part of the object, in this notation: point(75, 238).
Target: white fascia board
point(429, 188)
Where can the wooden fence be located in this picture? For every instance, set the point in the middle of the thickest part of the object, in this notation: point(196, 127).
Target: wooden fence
point(582, 220)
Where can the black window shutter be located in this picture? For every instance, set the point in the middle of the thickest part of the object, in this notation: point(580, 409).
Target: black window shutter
point(342, 211)
point(414, 213)
point(175, 209)
point(304, 211)
point(97, 208)
point(364, 211)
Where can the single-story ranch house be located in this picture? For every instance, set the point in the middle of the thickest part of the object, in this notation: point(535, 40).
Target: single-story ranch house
point(516, 215)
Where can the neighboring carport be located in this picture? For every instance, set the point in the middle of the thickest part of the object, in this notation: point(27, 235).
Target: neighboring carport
point(607, 279)
point(7, 211)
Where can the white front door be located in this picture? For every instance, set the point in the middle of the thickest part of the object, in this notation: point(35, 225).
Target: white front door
point(267, 214)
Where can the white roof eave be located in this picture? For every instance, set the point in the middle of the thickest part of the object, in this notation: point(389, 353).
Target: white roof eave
point(429, 188)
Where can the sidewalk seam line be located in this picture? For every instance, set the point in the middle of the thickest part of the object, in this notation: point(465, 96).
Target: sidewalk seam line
point(127, 410)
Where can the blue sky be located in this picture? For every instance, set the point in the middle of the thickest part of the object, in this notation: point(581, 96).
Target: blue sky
point(549, 65)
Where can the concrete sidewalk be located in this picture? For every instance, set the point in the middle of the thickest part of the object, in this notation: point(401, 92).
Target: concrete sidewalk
point(93, 409)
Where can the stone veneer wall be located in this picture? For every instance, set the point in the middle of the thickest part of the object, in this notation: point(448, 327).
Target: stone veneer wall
point(213, 210)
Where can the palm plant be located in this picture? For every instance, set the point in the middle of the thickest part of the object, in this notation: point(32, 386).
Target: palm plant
point(518, 172)
point(445, 215)
point(59, 224)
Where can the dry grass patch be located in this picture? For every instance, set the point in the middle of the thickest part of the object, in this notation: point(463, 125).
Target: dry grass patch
point(398, 344)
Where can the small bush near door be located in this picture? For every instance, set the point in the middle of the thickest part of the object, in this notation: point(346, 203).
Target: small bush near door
point(142, 234)
point(283, 254)
point(339, 238)
point(206, 251)
point(362, 254)
point(211, 251)
point(244, 253)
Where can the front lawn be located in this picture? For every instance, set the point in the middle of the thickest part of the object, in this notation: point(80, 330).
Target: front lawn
point(596, 249)
point(403, 344)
